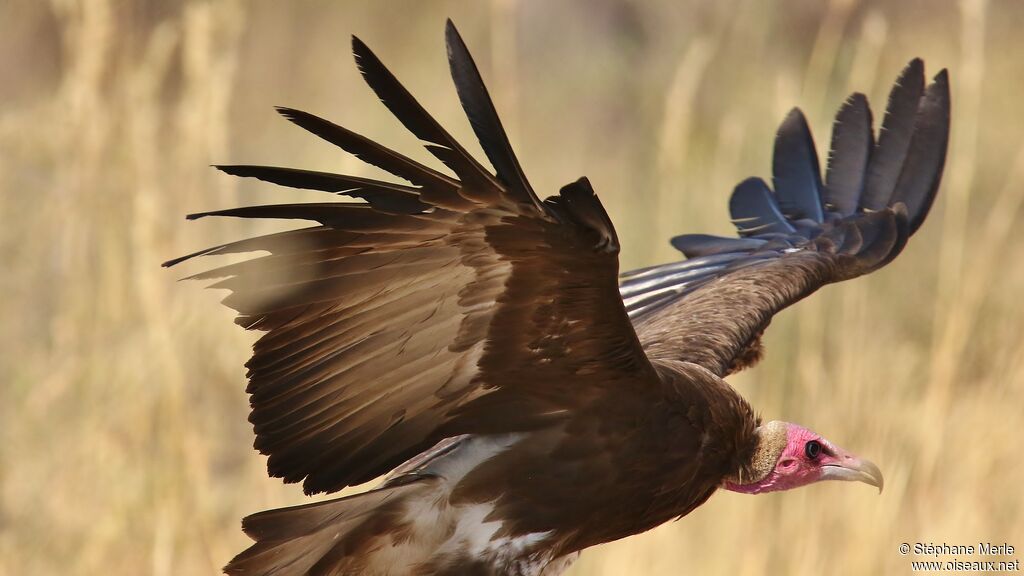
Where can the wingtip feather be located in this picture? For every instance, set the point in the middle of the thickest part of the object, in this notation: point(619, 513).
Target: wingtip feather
point(926, 153)
point(795, 169)
point(483, 117)
point(895, 136)
point(849, 154)
point(754, 210)
point(358, 46)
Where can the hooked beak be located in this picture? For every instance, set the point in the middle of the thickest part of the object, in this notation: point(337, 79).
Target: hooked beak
point(850, 468)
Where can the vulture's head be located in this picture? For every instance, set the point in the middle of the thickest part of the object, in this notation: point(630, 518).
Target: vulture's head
point(789, 456)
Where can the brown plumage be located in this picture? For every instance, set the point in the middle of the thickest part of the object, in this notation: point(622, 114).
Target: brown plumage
point(478, 344)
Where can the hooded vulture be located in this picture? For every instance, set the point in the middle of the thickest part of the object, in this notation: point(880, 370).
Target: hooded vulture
point(477, 344)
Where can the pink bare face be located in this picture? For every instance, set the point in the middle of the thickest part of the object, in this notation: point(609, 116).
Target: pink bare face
point(808, 458)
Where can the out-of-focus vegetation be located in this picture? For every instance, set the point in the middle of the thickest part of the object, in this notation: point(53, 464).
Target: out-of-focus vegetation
point(124, 447)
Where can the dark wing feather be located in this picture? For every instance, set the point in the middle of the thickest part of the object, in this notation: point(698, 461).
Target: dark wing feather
point(755, 211)
point(368, 151)
point(437, 188)
point(383, 196)
point(696, 245)
point(795, 169)
point(484, 118)
point(712, 308)
point(430, 312)
point(852, 143)
point(922, 169)
point(479, 183)
point(894, 139)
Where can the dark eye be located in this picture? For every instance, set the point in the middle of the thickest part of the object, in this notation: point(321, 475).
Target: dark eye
point(812, 449)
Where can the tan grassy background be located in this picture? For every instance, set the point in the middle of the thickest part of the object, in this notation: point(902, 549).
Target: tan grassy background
point(124, 447)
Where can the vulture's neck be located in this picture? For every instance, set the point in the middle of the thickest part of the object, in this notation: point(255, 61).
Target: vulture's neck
point(757, 472)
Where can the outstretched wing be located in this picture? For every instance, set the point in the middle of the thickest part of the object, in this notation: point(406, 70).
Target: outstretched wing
point(712, 308)
point(446, 306)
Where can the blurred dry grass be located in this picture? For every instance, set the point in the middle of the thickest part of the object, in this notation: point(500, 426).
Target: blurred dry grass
point(122, 415)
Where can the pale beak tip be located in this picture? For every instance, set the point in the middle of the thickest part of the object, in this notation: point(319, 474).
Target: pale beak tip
point(858, 470)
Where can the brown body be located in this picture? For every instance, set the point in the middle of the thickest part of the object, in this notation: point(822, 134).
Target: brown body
point(478, 343)
point(645, 460)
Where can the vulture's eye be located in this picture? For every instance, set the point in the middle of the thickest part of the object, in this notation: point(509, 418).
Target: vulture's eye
point(812, 449)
